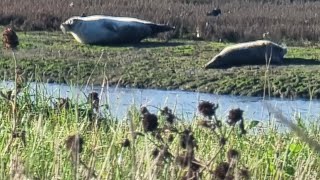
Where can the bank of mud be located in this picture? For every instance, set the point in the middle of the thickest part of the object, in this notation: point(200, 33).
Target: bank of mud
point(177, 64)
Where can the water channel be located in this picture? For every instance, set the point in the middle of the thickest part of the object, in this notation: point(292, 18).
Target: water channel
point(183, 103)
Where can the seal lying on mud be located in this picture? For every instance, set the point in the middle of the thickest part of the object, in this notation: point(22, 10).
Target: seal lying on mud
point(104, 30)
point(248, 53)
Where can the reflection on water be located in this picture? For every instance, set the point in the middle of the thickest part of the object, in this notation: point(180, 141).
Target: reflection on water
point(183, 103)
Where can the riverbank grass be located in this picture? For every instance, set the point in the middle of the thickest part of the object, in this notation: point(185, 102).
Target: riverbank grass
point(67, 139)
point(177, 64)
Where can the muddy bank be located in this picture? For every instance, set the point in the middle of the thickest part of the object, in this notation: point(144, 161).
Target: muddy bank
point(177, 64)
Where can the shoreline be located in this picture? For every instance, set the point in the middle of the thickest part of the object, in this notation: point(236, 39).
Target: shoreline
point(176, 65)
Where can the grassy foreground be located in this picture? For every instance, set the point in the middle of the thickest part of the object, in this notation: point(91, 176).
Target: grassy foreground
point(68, 140)
point(177, 64)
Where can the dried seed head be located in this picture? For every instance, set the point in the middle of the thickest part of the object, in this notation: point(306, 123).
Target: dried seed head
point(126, 143)
point(244, 173)
point(20, 134)
point(74, 143)
point(195, 165)
point(233, 154)
point(207, 108)
point(234, 116)
point(170, 138)
point(63, 103)
point(155, 152)
point(223, 141)
point(93, 100)
point(10, 39)
point(144, 110)
point(184, 160)
point(162, 153)
point(168, 115)
point(187, 140)
point(221, 170)
point(150, 122)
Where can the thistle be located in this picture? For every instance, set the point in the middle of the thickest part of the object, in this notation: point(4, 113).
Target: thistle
point(10, 39)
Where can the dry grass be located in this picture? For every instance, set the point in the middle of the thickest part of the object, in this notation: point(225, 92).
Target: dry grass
point(240, 20)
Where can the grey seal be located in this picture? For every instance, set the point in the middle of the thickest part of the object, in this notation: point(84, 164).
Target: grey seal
point(105, 30)
point(248, 53)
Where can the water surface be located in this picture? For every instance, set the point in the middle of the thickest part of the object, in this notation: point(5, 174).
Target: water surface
point(183, 103)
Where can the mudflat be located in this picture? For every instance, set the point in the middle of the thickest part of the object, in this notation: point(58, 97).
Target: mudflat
point(154, 63)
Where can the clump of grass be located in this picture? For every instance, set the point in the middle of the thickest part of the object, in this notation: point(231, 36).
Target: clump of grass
point(177, 150)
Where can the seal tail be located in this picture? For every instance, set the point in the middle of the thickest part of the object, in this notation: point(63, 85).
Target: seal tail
point(158, 28)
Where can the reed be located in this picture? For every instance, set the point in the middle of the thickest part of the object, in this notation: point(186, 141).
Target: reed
point(67, 139)
point(241, 20)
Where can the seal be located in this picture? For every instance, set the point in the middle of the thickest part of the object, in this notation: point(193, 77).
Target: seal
point(109, 30)
point(248, 53)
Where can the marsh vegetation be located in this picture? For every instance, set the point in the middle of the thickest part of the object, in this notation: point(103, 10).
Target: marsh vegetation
point(177, 64)
point(43, 137)
point(241, 20)
point(68, 139)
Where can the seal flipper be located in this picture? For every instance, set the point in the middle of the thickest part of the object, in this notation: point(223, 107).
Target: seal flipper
point(158, 28)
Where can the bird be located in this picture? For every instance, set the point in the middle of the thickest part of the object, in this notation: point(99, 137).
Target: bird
point(266, 35)
point(214, 12)
point(110, 30)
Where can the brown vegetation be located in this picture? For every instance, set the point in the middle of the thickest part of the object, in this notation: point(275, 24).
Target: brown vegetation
point(10, 39)
point(240, 19)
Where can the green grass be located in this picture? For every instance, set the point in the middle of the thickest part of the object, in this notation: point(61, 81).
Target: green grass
point(156, 64)
point(267, 153)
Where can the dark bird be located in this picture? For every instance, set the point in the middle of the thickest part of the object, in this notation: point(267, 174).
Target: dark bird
point(10, 39)
point(214, 12)
point(83, 15)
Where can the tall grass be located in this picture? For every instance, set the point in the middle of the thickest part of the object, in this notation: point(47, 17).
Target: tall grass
point(69, 140)
point(241, 19)
point(130, 149)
